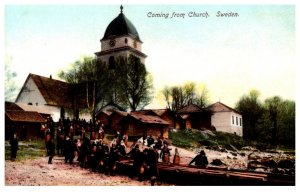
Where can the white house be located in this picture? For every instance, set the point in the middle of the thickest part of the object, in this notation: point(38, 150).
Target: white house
point(226, 119)
point(52, 96)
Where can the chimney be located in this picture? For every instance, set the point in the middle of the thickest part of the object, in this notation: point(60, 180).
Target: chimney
point(50, 76)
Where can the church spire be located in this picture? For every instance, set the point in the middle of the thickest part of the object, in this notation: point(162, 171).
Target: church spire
point(121, 7)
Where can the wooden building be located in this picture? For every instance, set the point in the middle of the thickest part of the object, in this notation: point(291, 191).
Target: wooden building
point(166, 115)
point(115, 119)
point(27, 124)
point(138, 125)
point(193, 116)
point(103, 117)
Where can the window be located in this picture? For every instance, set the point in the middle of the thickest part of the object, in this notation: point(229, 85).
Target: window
point(237, 121)
point(29, 103)
point(233, 120)
point(111, 63)
point(240, 121)
point(134, 44)
point(126, 40)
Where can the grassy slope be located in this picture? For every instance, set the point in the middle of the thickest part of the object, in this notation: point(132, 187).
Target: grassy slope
point(192, 138)
point(32, 149)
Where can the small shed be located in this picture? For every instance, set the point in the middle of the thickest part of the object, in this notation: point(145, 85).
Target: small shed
point(103, 117)
point(27, 124)
point(166, 115)
point(195, 117)
point(138, 125)
point(115, 118)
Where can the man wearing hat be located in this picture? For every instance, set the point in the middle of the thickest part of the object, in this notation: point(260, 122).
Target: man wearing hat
point(200, 159)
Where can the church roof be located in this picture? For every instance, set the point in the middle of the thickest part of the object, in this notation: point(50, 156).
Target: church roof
point(121, 26)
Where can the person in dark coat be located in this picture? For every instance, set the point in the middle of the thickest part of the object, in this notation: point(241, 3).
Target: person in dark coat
point(150, 141)
point(84, 152)
point(59, 141)
point(200, 159)
point(138, 160)
point(151, 161)
point(14, 146)
point(50, 150)
point(69, 150)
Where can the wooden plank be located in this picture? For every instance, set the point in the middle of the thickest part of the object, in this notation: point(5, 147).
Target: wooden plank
point(236, 174)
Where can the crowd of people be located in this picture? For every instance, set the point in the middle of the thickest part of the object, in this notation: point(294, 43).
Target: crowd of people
point(94, 152)
point(100, 156)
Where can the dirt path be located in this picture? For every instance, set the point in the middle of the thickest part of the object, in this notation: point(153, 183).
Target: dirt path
point(37, 172)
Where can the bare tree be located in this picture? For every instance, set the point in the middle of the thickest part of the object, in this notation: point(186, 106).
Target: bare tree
point(178, 97)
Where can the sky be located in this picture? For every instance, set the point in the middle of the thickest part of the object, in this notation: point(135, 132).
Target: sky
point(230, 55)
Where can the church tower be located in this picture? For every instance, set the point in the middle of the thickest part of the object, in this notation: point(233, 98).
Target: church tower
point(120, 39)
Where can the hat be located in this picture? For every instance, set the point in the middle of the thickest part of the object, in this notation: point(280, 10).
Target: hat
point(202, 152)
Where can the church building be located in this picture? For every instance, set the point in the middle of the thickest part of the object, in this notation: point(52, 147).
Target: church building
point(62, 99)
point(120, 39)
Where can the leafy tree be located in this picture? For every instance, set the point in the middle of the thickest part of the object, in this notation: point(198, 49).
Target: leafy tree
point(279, 120)
point(134, 84)
point(271, 122)
point(71, 75)
point(252, 110)
point(10, 85)
point(91, 73)
point(273, 106)
point(287, 123)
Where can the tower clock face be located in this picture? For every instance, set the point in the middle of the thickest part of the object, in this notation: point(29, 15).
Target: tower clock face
point(112, 42)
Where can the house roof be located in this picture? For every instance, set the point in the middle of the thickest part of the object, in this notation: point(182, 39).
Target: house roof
point(220, 107)
point(109, 108)
point(192, 108)
point(160, 112)
point(122, 113)
point(54, 92)
point(143, 112)
point(58, 93)
point(24, 116)
point(108, 113)
point(150, 119)
point(39, 109)
point(12, 106)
